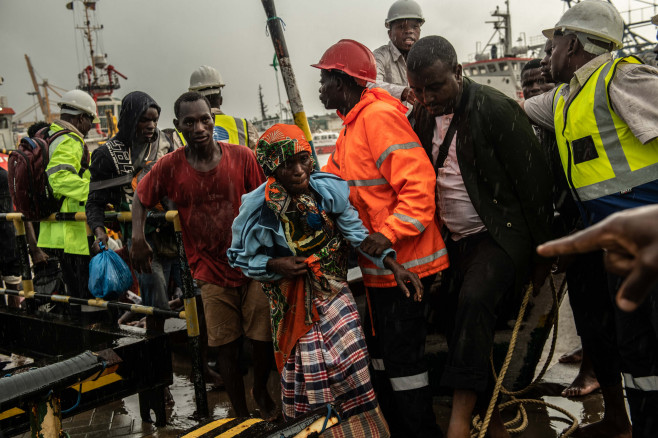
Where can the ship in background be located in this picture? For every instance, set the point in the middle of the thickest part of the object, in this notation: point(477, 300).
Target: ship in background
point(6, 135)
point(325, 128)
point(498, 63)
point(99, 78)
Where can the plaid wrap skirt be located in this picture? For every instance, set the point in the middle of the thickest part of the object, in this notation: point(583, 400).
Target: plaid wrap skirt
point(330, 364)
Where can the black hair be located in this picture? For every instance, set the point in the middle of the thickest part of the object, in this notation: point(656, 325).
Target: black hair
point(427, 50)
point(36, 127)
point(533, 63)
point(190, 96)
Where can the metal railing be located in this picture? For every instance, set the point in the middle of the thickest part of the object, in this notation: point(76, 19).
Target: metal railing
point(190, 313)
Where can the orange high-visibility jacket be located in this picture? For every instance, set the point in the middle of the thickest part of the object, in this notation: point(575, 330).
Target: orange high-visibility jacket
point(392, 185)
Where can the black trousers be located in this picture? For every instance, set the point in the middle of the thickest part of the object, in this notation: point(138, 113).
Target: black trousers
point(594, 315)
point(399, 370)
point(637, 338)
point(481, 276)
point(75, 269)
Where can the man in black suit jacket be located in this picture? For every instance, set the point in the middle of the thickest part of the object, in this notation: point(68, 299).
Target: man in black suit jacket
point(493, 197)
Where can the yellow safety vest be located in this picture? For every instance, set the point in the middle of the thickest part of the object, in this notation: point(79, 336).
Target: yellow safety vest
point(228, 129)
point(68, 182)
point(598, 150)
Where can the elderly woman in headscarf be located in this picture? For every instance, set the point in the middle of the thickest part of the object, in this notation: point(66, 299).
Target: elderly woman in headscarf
point(292, 235)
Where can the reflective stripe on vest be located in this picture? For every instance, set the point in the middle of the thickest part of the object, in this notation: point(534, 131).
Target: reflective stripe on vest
point(599, 152)
point(59, 167)
point(646, 383)
point(410, 382)
point(230, 129)
point(378, 364)
point(182, 139)
point(407, 265)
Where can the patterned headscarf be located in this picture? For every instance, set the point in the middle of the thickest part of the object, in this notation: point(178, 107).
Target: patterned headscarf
point(279, 143)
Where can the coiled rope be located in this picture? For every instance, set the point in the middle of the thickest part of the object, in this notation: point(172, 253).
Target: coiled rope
point(480, 427)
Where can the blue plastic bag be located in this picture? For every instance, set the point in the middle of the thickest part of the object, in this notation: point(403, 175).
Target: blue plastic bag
point(109, 276)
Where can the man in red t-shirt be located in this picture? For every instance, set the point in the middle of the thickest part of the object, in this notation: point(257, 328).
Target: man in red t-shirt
point(206, 180)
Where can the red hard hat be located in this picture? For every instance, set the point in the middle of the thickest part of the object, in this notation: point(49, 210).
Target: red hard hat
point(350, 57)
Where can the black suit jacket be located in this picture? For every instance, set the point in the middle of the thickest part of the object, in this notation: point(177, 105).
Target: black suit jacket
point(504, 170)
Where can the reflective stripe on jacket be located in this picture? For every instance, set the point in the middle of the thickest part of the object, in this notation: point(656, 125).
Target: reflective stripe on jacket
point(598, 150)
point(64, 177)
point(392, 185)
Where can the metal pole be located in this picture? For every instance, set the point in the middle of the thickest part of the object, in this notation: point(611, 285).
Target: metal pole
point(26, 274)
point(190, 313)
point(192, 319)
point(46, 418)
point(121, 216)
point(98, 302)
point(279, 41)
point(278, 93)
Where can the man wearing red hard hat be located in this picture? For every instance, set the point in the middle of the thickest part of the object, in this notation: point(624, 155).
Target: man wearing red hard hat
point(392, 186)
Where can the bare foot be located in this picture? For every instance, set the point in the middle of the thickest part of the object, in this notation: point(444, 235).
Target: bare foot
point(585, 382)
point(575, 356)
point(266, 405)
point(604, 429)
point(497, 426)
point(214, 378)
point(169, 399)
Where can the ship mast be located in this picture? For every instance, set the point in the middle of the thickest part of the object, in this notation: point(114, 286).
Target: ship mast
point(87, 32)
point(504, 24)
point(502, 29)
point(98, 78)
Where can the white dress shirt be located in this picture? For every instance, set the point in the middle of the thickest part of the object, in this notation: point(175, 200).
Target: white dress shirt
point(453, 204)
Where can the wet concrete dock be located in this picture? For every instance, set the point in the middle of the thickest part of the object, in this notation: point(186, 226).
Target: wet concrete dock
point(122, 419)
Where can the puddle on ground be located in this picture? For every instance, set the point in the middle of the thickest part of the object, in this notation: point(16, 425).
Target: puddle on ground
point(179, 414)
point(543, 422)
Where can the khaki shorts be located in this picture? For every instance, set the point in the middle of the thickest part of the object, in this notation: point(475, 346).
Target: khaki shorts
point(231, 312)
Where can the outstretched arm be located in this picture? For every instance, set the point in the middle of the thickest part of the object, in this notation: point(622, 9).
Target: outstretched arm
point(404, 277)
point(396, 90)
point(630, 242)
point(402, 161)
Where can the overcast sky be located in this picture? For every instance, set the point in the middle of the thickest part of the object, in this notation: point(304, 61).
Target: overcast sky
point(158, 43)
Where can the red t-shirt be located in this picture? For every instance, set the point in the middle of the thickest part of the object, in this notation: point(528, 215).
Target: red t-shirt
point(207, 203)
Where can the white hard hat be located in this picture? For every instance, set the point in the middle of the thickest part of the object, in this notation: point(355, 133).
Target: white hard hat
point(597, 18)
point(402, 9)
point(81, 101)
point(206, 80)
